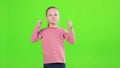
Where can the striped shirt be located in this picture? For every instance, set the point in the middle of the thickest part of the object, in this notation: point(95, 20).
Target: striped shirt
point(53, 42)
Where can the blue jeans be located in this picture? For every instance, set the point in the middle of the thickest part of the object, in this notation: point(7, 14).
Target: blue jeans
point(55, 65)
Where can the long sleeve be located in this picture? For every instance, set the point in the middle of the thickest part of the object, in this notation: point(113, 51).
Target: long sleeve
point(69, 36)
point(36, 34)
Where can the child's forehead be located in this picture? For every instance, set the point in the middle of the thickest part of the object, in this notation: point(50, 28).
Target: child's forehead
point(52, 10)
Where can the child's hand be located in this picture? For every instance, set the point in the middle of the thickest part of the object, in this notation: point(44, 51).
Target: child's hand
point(69, 24)
point(39, 22)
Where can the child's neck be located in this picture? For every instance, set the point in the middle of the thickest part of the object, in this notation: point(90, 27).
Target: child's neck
point(53, 25)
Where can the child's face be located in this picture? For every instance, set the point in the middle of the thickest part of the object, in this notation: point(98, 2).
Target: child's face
point(52, 16)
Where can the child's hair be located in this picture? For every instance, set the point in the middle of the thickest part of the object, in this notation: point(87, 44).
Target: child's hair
point(50, 8)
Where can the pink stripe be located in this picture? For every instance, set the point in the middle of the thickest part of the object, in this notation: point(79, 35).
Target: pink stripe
point(53, 42)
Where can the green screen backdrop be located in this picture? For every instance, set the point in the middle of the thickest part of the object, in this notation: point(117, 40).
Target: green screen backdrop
point(96, 25)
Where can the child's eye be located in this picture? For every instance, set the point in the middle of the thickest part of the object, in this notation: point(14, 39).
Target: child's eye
point(55, 14)
point(50, 15)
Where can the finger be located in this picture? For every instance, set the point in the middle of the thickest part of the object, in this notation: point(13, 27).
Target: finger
point(69, 23)
point(39, 22)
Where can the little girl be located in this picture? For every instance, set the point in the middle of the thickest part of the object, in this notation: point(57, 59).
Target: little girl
point(53, 39)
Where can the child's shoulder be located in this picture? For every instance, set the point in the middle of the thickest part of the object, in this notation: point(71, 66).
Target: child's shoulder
point(59, 29)
point(62, 29)
point(41, 30)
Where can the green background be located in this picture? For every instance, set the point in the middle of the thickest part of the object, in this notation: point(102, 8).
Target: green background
point(96, 24)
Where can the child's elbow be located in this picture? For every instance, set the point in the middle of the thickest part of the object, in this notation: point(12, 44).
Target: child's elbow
point(72, 42)
point(33, 40)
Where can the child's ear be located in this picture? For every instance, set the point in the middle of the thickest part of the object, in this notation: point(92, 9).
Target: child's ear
point(46, 18)
point(59, 17)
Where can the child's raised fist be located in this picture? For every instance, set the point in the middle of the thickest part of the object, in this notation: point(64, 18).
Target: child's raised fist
point(69, 24)
point(39, 22)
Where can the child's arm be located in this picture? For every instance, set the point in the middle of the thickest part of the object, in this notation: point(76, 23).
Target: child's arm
point(70, 36)
point(36, 35)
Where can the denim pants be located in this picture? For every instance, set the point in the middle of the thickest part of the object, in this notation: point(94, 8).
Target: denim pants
point(55, 65)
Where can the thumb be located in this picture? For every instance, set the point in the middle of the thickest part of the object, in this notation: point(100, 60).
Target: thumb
point(69, 23)
point(39, 22)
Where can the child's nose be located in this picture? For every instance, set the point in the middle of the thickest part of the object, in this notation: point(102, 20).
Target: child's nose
point(53, 16)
